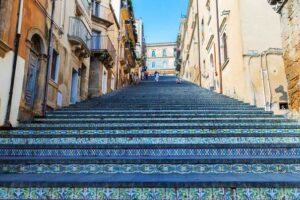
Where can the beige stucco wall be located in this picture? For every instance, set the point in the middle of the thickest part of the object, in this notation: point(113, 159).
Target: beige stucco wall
point(5, 77)
point(290, 23)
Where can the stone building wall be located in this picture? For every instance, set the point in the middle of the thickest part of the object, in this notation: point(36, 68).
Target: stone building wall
point(290, 21)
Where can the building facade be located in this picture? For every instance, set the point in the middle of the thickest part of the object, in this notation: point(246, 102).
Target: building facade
point(86, 58)
point(161, 58)
point(289, 11)
point(140, 47)
point(228, 49)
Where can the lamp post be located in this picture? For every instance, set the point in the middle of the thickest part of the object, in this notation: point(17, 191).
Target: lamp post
point(49, 58)
point(15, 60)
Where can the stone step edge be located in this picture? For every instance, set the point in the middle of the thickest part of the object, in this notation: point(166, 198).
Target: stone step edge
point(150, 135)
point(150, 146)
point(153, 180)
point(149, 160)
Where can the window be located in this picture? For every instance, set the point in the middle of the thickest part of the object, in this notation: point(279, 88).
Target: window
point(224, 47)
point(96, 40)
point(153, 64)
point(96, 8)
point(55, 66)
point(153, 53)
point(164, 53)
point(165, 64)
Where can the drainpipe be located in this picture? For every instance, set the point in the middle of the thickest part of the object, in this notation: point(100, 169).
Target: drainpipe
point(199, 47)
point(118, 60)
point(15, 60)
point(49, 58)
point(219, 46)
point(263, 81)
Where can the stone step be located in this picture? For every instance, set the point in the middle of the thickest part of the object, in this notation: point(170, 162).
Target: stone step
point(154, 132)
point(163, 125)
point(207, 108)
point(148, 140)
point(174, 160)
point(160, 120)
point(151, 180)
point(160, 115)
point(151, 193)
point(160, 151)
point(95, 111)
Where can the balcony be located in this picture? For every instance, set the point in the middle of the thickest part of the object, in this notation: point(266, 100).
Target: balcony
point(122, 57)
point(83, 7)
point(79, 37)
point(130, 54)
point(126, 10)
point(104, 50)
point(131, 30)
point(102, 14)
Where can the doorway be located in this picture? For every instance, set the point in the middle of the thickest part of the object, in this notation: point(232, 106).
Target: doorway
point(104, 81)
point(74, 87)
point(33, 70)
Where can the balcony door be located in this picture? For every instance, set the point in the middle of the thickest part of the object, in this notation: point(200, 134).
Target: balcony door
point(97, 40)
point(96, 8)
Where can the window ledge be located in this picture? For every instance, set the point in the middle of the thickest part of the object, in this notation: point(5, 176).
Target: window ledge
point(4, 48)
point(53, 83)
point(225, 63)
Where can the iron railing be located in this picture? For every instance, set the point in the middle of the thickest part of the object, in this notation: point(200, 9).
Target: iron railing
point(87, 5)
point(103, 43)
point(79, 31)
point(102, 12)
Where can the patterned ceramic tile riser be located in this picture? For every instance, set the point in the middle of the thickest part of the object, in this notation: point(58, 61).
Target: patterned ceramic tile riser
point(150, 169)
point(149, 140)
point(159, 153)
point(150, 193)
point(150, 131)
point(153, 138)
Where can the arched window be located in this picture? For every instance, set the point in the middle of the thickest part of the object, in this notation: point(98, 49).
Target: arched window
point(153, 53)
point(225, 51)
point(165, 53)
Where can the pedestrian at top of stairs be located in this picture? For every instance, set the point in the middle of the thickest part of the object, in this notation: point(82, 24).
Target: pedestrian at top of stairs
point(156, 75)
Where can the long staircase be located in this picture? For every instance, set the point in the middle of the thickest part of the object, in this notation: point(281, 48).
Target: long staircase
point(162, 141)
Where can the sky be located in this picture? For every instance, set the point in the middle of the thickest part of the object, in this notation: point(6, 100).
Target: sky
point(161, 18)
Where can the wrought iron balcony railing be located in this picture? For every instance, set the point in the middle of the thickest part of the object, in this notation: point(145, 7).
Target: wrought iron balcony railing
point(102, 12)
point(87, 5)
point(103, 46)
point(79, 33)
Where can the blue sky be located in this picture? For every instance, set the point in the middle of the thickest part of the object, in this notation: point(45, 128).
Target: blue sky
point(161, 18)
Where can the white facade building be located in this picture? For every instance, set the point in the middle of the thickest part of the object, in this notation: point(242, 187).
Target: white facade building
point(161, 57)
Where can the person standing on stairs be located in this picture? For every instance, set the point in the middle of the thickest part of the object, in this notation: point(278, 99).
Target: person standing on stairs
point(156, 75)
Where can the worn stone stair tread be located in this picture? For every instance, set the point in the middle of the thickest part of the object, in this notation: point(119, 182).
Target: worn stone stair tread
point(149, 135)
point(153, 180)
point(151, 160)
